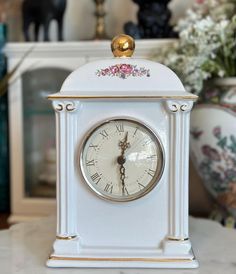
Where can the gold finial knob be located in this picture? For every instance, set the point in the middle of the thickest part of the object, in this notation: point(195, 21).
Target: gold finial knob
point(122, 46)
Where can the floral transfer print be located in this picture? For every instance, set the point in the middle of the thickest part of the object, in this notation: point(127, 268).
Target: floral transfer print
point(123, 71)
point(214, 95)
point(218, 167)
point(196, 134)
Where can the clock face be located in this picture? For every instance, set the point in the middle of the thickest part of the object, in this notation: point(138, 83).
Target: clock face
point(121, 160)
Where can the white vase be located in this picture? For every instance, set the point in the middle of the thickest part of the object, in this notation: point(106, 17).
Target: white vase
point(213, 142)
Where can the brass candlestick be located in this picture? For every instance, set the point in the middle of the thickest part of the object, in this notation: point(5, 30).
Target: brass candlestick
point(100, 32)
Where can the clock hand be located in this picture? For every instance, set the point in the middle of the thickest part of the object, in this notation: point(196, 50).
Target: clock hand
point(122, 178)
point(124, 144)
point(121, 160)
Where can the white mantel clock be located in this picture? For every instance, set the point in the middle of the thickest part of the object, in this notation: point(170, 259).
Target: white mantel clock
point(122, 165)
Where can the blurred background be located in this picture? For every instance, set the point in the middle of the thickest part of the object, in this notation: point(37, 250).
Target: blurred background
point(43, 41)
point(79, 19)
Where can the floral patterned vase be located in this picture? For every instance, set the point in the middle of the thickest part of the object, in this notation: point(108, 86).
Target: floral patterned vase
point(213, 143)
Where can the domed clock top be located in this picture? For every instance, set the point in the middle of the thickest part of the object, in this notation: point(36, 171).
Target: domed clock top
point(123, 74)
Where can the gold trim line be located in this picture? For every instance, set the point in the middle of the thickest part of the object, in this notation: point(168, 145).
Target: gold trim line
point(177, 239)
point(193, 97)
point(66, 237)
point(161, 260)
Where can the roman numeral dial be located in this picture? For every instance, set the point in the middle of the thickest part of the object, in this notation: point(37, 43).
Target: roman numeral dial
point(90, 163)
point(121, 160)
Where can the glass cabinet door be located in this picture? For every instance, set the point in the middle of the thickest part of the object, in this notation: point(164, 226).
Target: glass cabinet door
point(39, 130)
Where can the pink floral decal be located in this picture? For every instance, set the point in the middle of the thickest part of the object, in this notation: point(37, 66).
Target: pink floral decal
point(211, 153)
point(200, 1)
point(123, 71)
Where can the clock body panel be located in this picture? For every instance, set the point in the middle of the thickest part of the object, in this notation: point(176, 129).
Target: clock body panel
point(153, 226)
point(96, 212)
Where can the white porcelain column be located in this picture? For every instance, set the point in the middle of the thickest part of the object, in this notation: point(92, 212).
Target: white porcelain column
point(66, 128)
point(179, 116)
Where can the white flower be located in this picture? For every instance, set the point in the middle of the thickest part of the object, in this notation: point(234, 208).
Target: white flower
point(221, 73)
point(207, 45)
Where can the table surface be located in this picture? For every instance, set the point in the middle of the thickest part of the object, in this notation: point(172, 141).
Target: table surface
point(24, 249)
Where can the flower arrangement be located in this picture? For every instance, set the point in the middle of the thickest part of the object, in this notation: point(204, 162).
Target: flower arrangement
point(207, 45)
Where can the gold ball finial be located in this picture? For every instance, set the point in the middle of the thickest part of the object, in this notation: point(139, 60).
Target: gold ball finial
point(122, 46)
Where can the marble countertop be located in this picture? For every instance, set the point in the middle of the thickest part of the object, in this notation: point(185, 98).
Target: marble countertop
point(24, 249)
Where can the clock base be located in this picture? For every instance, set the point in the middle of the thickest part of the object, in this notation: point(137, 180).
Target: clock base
point(123, 262)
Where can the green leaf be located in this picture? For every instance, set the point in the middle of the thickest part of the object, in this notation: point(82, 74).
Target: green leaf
point(222, 143)
point(232, 147)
